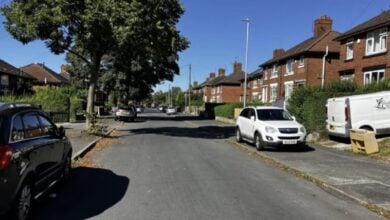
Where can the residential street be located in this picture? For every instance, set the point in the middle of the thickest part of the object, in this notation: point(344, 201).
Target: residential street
point(161, 168)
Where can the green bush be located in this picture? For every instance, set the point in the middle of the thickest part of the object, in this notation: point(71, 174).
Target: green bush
point(52, 99)
point(307, 104)
point(227, 110)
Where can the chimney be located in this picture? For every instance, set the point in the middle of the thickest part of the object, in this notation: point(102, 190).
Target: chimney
point(221, 72)
point(278, 53)
point(63, 68)
point(322, 25)
point(212, 76)
point(195, 83)
point(237, 67)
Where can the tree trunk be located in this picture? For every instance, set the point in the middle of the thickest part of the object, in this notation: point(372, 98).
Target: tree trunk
point(95, 66)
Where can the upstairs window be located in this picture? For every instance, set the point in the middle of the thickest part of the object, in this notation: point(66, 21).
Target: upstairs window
point(301, 61)
point(349, 49)
point(289, 67)
point(274, 71)
point(376, 41)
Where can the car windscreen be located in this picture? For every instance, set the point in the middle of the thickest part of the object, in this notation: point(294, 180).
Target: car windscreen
point(273, 115)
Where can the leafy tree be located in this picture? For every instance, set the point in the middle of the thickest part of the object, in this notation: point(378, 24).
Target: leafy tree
point(139, 34)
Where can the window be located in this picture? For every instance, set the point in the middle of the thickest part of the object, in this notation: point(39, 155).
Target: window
point(255, 82)
point(17, 133)
point(244, 112)
point(47, 127)
point(273, 115)
point(347, 76)
point(289, 67)
point(264, 95)
point(255, 96)
point(301, 61)
point(251, 113)
point(274, 73)
point(288, 89)
point(273, 91)
point(5, 80)
point(31, 126)
point(376, 41)
point(373, 76)
point(349, 49)
point(213, 91)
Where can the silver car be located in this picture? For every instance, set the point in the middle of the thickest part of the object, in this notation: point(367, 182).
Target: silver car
point(125, 113)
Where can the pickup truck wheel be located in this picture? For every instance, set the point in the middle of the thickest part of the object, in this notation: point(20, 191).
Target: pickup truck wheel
point(22, 207)
point(259, 144)
point(238, 135)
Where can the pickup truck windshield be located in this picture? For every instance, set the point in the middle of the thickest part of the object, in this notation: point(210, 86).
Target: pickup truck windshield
point(273, 115)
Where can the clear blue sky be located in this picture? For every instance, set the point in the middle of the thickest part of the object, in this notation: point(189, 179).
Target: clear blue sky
point(217, 33)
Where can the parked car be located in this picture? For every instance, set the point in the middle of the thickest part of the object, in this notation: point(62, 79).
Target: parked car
point(162, 108)
point(269, 126)
point(34, 155)
point(171, 110)
point(139, 108)
point(368, 111)
point(125, 113)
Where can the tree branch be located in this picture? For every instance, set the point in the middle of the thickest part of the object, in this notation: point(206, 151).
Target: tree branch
point(79, 56)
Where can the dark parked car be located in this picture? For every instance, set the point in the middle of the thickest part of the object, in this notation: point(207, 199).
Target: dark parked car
point(34, 155)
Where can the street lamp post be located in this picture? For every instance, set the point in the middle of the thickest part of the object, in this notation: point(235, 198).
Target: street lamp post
point(246, 58)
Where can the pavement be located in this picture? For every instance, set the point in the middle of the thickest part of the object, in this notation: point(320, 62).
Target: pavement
point(81, 141)
point(361, 179)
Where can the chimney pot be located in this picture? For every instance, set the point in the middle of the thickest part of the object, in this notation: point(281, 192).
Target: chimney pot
point(237, 67)
point(278, 52)
point(322, 25)
point(221, 72)
point(212, 76)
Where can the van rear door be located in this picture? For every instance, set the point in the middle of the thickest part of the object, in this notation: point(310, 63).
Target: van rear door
point(338, 117)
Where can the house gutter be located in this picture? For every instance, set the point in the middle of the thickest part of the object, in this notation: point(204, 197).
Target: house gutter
point(323, 67)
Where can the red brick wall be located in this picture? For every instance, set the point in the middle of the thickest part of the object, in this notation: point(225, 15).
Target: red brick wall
point(360, 60)
point(231, 93)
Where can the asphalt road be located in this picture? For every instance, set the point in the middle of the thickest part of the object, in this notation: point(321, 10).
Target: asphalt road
point(162, 168)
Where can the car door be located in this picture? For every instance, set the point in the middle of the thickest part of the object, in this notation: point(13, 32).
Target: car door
point(56, 143)
point(251, 123)
point(243, 122)
point(39, 148)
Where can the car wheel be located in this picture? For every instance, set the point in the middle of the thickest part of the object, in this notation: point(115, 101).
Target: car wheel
point(238, 135)
point(23, 202)
point(67, 167)
point(259, 142)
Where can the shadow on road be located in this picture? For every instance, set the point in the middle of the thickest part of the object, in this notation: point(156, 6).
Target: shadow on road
point(171, 118)
point(88, 192)
point(205, 132)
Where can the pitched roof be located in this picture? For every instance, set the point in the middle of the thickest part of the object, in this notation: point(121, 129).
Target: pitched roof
point(379, 21)
point(313, 44)
point(232, 79)
point(44, 74)
point(11, 70)
point(255, 74)
point(216, 81)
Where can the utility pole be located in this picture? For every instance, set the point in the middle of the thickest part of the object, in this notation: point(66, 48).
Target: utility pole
point(169, 95)
point(246, 58)
point(189, 89)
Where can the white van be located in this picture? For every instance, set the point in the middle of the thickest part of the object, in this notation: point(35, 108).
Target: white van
point(368, 111)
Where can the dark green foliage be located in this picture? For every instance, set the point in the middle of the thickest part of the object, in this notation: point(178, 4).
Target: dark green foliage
point(64, 99)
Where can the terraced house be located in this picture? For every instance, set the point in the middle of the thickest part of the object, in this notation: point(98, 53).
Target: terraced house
point(363, 54)
point(254, 86)
point(44, 75)
point(228, 89)
point(311, 62)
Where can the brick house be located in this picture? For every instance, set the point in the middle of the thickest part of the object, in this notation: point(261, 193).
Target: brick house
point(363, 53)
point(254, 85)
point(205, 88)
point(44, 75)
point(14, 80)
point(228, 89)
point(302, 64)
